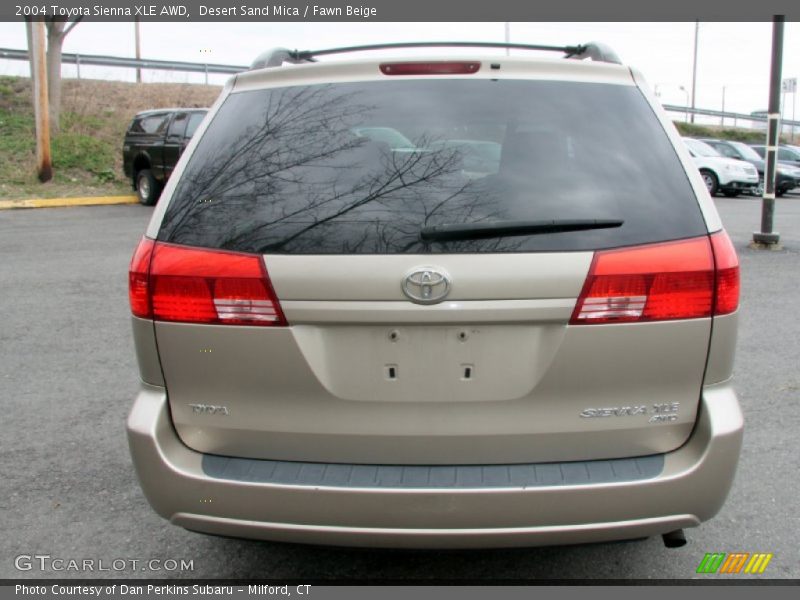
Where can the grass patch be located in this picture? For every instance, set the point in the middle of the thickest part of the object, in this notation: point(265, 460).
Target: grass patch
point(748, 136)
point(17, 145)
point(80, 151)
point(87, 150)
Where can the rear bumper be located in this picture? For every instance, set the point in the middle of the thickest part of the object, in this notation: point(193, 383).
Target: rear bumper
point(690, 488)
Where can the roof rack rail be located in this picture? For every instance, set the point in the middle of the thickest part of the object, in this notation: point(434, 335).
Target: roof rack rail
point(277, 56)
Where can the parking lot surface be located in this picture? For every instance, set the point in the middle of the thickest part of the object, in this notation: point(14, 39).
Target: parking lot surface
point(68, 376)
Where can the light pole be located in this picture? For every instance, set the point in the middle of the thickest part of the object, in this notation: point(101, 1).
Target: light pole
point(686, 115)
point(138, 48)
point(783, 108)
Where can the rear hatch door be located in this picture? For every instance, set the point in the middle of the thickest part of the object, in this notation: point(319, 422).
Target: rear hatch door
point(424, 324)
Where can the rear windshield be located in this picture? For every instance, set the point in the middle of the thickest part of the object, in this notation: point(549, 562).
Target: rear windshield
point(363, 167)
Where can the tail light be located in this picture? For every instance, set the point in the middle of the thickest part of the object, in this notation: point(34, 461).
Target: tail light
point(430, 68)
point(660, 282)
point(138, 275)
point(195, 285)
point(727, 285)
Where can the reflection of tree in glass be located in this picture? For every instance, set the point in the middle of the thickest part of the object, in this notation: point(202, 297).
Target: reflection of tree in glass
point(295, 127)
point(305, 180)
point(394, 193)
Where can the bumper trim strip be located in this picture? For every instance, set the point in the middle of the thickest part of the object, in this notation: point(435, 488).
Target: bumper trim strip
point(433, 477)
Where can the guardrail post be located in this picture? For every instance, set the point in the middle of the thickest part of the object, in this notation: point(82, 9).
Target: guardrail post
point(206, 70)
point(78, 64)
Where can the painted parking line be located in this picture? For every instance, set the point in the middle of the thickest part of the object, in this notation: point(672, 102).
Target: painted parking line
point(56, 202)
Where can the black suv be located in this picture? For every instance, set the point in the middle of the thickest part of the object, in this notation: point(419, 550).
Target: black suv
point(154, 142)
point(741, 151)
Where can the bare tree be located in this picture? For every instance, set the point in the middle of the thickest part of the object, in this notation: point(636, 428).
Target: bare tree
point(57, 30)
point(29, 36)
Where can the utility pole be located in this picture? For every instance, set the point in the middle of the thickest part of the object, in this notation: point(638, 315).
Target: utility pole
point(138, 49)
point(722, 118)
point(38, 51)
point(508, 36)
point(767, 238)
point(694, 66)
point(782, 110)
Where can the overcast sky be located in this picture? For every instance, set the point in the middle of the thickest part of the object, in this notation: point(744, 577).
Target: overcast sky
point(733, 55)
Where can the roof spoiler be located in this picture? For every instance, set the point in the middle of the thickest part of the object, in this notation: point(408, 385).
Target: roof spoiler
point(278, 56)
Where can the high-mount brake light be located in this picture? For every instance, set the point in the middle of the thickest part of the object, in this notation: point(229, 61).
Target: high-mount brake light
point(430, 68)
point(656, 282)
point(196, 285)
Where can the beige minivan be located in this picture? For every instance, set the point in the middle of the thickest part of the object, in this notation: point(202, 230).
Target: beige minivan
point(344, 341)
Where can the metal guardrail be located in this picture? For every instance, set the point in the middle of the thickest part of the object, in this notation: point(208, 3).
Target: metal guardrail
point(725, 115)
point(120, 61)
point(219, 69)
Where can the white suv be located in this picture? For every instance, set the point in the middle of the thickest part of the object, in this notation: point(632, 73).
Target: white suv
point(720, 173)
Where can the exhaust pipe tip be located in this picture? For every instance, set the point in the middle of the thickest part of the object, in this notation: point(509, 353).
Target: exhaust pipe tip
point(674, 539)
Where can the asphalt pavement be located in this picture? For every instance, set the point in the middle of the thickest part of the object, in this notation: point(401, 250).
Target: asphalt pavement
point(68, 376)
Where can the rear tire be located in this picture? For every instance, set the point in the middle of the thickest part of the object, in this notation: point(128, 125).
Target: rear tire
point(711, 181)
point(147, 188)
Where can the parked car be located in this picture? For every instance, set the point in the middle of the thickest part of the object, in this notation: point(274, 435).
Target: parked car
point(722, 174)
point(343, 344)
point(787, 173)
point(789, 154)
point(154, 141)
point(741, 151)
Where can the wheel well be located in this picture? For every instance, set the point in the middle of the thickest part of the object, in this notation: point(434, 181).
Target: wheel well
point(141, 162)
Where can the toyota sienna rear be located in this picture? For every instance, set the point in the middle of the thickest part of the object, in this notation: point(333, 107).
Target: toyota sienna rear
point(518, 329)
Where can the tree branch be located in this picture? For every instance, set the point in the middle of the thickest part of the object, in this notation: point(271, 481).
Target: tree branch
point(72, 25)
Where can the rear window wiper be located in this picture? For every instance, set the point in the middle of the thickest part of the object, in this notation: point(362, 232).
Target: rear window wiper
point(473, 231)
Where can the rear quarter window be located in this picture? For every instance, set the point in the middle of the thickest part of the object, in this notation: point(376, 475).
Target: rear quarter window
point(177, 126)
point(319, 170)
point(150, 124)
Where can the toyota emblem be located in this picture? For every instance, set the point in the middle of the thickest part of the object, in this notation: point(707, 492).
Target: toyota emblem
point(426, 285)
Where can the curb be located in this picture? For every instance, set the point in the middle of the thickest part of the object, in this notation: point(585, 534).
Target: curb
point(57, 202)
